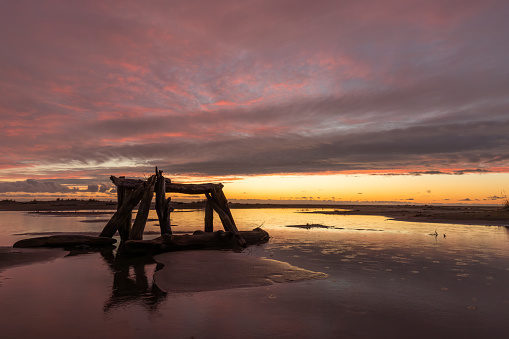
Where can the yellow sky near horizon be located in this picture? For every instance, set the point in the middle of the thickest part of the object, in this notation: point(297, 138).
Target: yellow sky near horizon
point(473, 188)
point(486, 188)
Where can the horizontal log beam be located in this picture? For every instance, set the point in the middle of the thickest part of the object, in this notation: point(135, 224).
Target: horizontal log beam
point(191, 188)
point(127, 183)
point(170, 187)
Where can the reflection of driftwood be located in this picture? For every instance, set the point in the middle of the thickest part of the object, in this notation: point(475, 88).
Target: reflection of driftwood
point(199, 240)
point(64, 240)
point(130, 282)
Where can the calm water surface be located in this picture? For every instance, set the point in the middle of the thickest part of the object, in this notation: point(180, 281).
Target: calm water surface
point(387, 279)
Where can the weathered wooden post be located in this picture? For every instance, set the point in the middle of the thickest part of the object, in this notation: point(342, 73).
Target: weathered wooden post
point(125, 228)
point(209, 217)
point(162, 204)
point(143, 210)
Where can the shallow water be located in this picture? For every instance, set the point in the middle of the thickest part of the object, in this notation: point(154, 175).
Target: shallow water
point(387, 279)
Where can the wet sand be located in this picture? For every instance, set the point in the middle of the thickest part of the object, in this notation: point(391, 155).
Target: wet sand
point(11, 257)
point(198, 271)
point(396, 283)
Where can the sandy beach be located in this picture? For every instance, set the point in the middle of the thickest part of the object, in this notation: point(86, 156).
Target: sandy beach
point(465, 215)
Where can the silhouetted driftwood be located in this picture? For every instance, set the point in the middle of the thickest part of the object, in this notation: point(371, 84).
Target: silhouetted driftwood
point(143, 210)
point(192, 188)
point(163, 208)
point(216, 201)
point(124, 213)
point(124, 228)
point(170, 187)
point(227, 222)
point(209, 217)
point(198, 240)
point(64, 241)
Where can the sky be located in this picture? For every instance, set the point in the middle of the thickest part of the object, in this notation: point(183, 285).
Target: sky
point(341, 101)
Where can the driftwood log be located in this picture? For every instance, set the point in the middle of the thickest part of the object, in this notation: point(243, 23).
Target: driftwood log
point(124, 213)
point(170, 187)
point(163, 208)
point(209, 217)
point(226, 219)
point(198, 240)
point(64, 241)
point(143, 210)
point(125, 228)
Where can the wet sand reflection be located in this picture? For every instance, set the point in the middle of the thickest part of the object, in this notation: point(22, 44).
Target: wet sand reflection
point(130, 282)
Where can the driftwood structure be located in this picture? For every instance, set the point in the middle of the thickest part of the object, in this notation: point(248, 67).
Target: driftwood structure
point(131, 192)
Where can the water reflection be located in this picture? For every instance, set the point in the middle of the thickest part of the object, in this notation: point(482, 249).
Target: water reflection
point(401, 281)
point(130, 282)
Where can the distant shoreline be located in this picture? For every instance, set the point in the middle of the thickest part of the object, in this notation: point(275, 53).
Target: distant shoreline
point(466, 215)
